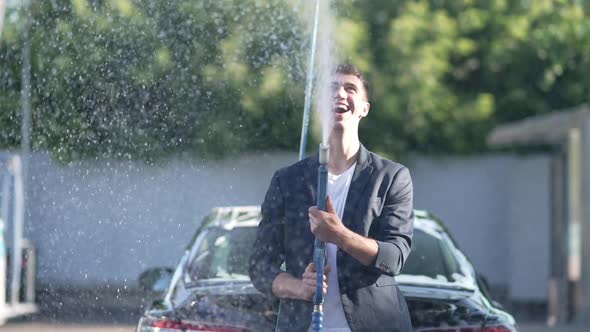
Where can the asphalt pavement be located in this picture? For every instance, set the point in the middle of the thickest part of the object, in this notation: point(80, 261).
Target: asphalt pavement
point(24, 326)
point(52, 327)
point(538, 327)
point(57, 327)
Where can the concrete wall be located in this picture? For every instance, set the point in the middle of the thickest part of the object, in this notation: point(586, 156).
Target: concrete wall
point(498, 210)
point(470, 196)
point(529, 224)
point(104, 222)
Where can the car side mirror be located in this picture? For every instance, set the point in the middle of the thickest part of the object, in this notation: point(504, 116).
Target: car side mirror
point(484, 286)
point(483, 283)
point(156, 279)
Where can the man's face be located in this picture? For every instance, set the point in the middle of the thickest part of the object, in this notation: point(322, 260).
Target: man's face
point(350, 101)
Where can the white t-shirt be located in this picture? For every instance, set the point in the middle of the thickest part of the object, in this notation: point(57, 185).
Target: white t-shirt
point(334, 319)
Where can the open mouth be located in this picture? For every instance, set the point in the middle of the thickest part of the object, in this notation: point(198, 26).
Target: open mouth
point(341, 109)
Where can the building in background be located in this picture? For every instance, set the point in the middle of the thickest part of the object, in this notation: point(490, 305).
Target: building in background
point(17, 255)
point(99, 224)
point(568, 133)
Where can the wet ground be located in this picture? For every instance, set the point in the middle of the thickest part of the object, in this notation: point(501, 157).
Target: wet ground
point(68, 327)
point(55, 327)
point(101, 320)
point(537, 327)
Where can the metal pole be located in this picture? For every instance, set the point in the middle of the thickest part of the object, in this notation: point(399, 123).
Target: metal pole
point(20, 167)
point(4, 219)
point(18, 213)
point(31, 265)
point(308, 87)
point(4, 206)
point(574, 182)
point(557, 287)
point(2, 11)
point(583, 317)
point(26, 90)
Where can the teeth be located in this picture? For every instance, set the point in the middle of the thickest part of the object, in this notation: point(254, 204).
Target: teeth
point(341, 109)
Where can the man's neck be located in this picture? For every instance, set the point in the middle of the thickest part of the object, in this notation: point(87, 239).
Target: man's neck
point(344, 152)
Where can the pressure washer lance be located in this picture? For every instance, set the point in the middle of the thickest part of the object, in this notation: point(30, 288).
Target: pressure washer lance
point(319, 255)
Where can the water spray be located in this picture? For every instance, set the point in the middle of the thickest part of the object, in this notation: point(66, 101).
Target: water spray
point(319, 252)
point(319, 246)
point(308, 86)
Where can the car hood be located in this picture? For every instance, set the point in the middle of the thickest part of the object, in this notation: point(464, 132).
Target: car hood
point(223, 303)
point(223, 287)
point(433, 307)
point(430, 306)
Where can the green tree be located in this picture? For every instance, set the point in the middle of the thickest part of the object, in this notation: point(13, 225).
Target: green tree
point(446, 72)
point(147, 78)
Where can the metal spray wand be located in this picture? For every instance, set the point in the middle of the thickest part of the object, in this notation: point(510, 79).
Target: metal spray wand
point(319, 255)
point(319, 246)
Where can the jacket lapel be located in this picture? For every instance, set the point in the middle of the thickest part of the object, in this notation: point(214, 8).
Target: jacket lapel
point(360, 179)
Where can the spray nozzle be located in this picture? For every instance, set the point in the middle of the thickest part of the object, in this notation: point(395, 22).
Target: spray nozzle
point(324, 153)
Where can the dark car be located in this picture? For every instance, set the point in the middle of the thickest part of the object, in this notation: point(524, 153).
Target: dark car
point(210, 289)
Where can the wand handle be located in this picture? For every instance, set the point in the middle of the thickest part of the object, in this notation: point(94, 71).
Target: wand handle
point(319, 251)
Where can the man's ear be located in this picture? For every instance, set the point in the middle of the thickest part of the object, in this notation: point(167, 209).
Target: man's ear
point(365, 109)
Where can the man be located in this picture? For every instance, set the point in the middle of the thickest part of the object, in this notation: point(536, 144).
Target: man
point(368, 229)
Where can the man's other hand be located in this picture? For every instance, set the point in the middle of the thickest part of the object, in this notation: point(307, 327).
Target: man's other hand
point(309, 284)
point(289, 287)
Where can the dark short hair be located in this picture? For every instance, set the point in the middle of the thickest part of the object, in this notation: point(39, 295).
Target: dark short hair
point(348, 69)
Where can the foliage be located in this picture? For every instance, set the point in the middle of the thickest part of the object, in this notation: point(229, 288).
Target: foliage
point(148, 78)
point(447, 72)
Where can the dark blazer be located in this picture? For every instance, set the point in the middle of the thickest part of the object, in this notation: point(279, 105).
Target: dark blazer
point(378, 205)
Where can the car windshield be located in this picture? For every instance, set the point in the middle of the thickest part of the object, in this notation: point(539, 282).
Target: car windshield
point(435, 260)
point(222, 254)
